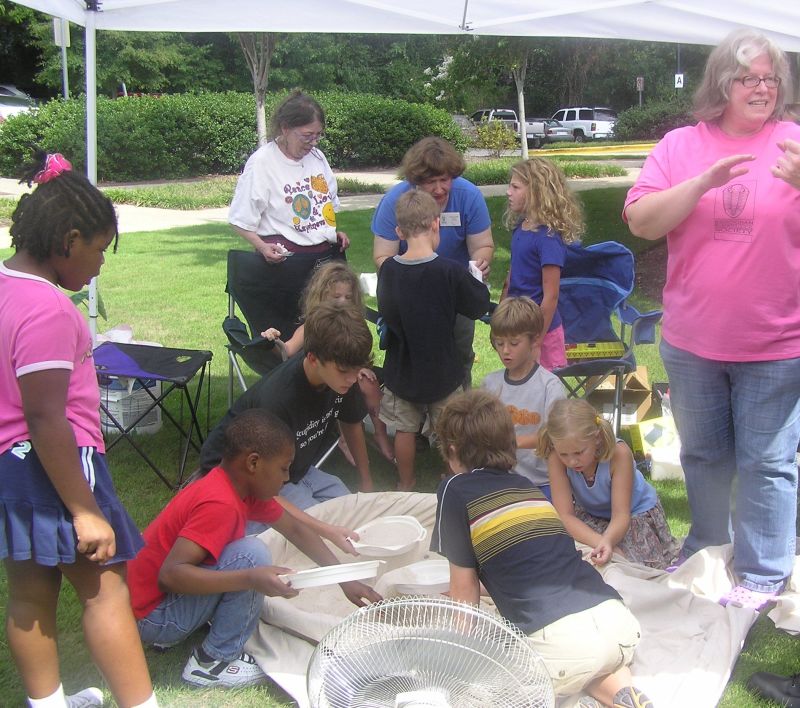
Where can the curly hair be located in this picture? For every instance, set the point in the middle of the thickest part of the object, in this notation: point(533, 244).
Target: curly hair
point(549, 200)
point(728, 58)
point(322, 282)
point(66, 202)
point(256, 430)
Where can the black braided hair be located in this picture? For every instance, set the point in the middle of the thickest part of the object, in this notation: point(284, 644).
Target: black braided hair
point(68, 201)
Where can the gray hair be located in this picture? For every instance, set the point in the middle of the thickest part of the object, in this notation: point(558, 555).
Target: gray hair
point(734, 53)
point(296, 110)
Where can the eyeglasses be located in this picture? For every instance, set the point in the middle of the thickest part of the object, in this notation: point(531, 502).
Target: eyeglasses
point(309, 138)
point(753, 81)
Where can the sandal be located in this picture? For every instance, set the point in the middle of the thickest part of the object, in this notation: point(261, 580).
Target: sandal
point(740, 596)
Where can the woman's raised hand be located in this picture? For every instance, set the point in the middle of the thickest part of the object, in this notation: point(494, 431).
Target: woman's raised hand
point(724, 170)
point(787, 167)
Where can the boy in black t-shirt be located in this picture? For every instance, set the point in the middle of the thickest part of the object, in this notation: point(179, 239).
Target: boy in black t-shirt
point(419, 296)
point(311, 392)
point(497, 528)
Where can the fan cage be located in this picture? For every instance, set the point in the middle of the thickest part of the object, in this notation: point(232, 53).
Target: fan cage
point(454, 653)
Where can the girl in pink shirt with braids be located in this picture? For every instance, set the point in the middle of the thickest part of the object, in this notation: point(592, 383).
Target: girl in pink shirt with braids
point(62, 515)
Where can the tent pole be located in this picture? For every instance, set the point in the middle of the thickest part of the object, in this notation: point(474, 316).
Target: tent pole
point(91, 141)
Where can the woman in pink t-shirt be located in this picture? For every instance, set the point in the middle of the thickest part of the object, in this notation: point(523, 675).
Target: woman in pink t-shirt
point(726, 193)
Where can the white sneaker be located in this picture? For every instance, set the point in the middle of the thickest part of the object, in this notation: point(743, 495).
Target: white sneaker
point(84, 699)
point(243, 671)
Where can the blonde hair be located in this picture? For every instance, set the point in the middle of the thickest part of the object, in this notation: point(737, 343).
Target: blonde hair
point(323, 281)
point(548, 200)
point(574, 417)
point(480, 430)
point(515, 316)
point(729, 57)
point(415, 212)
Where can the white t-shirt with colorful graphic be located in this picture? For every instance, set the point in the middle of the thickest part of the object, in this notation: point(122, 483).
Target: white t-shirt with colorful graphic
point(294, 198)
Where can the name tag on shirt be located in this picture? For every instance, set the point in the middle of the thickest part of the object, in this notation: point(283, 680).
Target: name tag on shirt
point(450, 218)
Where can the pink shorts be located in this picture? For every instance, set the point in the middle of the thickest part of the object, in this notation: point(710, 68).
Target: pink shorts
point(553, 354)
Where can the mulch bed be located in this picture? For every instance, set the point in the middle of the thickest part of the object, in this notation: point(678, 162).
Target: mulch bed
point(651, 270)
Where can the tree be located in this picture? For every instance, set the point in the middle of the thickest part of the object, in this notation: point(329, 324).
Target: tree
point(258, 48)
point(18, 57)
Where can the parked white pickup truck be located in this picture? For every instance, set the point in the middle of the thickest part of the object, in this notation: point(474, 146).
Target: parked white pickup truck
point(534, 130)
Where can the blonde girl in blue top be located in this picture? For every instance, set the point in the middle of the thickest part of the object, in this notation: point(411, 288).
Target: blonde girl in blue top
point(602, 499)
point(544, 215)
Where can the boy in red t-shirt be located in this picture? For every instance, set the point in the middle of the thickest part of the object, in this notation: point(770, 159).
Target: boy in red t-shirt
point(197, 566)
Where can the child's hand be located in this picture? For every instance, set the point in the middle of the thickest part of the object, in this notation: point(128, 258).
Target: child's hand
point(343, 240)
point(367, 374)
point(601, 553)
point(357, 592)
point(268, 583)
point(96, 539)
point(272, 334)
point(340, 537)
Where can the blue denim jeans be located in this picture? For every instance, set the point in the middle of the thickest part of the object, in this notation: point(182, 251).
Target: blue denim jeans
point(233, 615)
point(315, 486)
point(739, 419)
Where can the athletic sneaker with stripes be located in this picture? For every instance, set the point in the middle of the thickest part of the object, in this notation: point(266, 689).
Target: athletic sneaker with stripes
point(202, 670)
point(631, 697)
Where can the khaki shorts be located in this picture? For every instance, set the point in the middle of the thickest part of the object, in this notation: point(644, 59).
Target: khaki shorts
point(587, 645)
point(407, 417)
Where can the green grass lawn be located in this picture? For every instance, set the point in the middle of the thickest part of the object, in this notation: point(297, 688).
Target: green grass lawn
point(169, 286)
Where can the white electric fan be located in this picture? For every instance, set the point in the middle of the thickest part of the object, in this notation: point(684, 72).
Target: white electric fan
point(426, 652)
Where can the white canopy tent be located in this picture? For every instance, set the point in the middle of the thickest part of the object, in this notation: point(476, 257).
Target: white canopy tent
point(687, 21)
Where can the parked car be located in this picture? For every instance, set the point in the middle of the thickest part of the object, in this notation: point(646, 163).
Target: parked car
point(541, 131)
point(504, 115)
point(13, 101)
point(466, 125)
point(587, 123)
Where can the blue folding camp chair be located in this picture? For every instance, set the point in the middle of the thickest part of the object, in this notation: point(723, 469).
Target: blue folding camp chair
point(595, 282)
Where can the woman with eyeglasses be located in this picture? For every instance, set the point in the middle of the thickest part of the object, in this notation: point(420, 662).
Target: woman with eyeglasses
point(286, 201)
point(726, 193)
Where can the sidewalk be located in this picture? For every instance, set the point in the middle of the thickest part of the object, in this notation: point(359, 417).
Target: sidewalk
point(133, 219)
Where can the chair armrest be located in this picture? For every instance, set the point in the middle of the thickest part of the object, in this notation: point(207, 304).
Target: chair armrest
point(642, 324)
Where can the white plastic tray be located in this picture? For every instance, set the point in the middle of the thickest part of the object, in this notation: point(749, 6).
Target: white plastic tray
point(332, 574)
point(427, 577)
point(389, 536)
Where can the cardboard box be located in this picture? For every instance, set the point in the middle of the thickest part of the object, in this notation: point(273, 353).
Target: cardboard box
point(636, 397)
point(653, 434)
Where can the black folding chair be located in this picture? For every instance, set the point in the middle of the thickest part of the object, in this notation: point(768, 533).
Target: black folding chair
point(262, 303)
point(175, 369)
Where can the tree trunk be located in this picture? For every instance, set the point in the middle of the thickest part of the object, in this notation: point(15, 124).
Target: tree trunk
point(257, 48)
point(519, 73)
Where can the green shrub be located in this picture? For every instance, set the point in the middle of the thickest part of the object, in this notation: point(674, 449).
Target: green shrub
point(495, 136)
point(654, 119)
point(499, 171)
point(366, 130)
point(188, 135)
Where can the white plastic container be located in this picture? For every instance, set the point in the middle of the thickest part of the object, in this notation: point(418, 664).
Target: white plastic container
point(126, 400)
point(666, 463)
